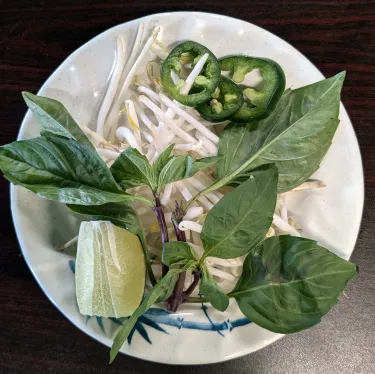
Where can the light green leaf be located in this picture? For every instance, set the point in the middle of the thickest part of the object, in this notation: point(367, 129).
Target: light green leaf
point(178, 253)
point(289, 283)
point(62, 170)
point(132, 169)
point(241, 219)
point(182, 167)
point(161, 288)
point(54, 119)
point(162, 160)
point(212, 292)
point(295, 137)
point(203, 163)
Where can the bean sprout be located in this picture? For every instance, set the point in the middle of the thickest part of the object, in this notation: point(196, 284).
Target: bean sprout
point(67, 244)
point(167, 194)
point(210, 147)
point(111, 92)
point(190, 225)
point(189, 118)
point(193, 75)
point(309, 185)
point(221, 274)
point(193, 212)
point(284, 226)
point(125, 133)
point(107, 153)
point(176, 130)
point(116, 106)
point(133, 121)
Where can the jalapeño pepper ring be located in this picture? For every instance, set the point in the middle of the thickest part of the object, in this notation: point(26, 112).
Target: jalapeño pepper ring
point(204, 84)
point(227, 99)
point(264, 101)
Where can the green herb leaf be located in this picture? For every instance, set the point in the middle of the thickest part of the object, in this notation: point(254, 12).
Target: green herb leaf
point(295, 137)
point(289, 283)
point(161, 288)
point(203, 163)
point(182, 167)
point(132, 169)
point(62, 170)
point(54, 119)
point(241, 219)
point(212, 292)
point(162, 160)
point(122, 215)
point(178, 253)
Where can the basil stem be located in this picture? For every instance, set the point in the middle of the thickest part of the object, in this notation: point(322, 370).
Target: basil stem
point(159, 212)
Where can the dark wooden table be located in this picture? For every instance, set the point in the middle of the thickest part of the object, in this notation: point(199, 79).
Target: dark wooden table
point(36, 36)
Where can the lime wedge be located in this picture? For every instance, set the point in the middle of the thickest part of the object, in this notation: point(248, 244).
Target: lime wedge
point(110, 270)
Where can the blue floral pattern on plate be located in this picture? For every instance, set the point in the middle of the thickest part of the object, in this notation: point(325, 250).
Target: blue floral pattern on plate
point(155, 317)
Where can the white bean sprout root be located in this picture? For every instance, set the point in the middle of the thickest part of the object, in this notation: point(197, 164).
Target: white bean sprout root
point(190, 225)
point(310, 185)
point(68, 244)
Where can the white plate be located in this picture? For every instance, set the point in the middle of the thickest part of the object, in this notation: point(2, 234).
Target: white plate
point(195, 335)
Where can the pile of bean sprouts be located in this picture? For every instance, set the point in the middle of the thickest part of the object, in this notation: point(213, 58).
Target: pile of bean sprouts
point(135, 112)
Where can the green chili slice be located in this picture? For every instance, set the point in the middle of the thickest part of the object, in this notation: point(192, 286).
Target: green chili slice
point(226, 100)
point(258, 104)
point(204, 84)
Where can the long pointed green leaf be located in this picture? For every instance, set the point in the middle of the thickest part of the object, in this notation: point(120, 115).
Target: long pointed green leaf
point(159, 292)
point(295, 137)
point(54, 119)
point(241, 219)
point(62, 170)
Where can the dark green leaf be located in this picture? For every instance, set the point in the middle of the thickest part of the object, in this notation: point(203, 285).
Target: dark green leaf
point(251, 173)
point(182, 167)
point(178, 253)
point(212, 292)
point(54, 119)
point(120, 214)
point(295, 137)
point(62, 170)
point(160, 289)
point(132, 169)
point(289, 283)
point(241, 219)
point(162, 160)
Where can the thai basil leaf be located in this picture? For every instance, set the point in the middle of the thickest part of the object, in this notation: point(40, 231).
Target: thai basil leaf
point(162, 160)
point(212, 292)
point(132, 169)
point(160, 291)
point(178, 253)
point(251, 173)
point(289, 283)
point(202, 163)
point(122, 215)
point(182, 167)
point(62, 170)
point(295, 137)
point(241, 219)
point(54, 119)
